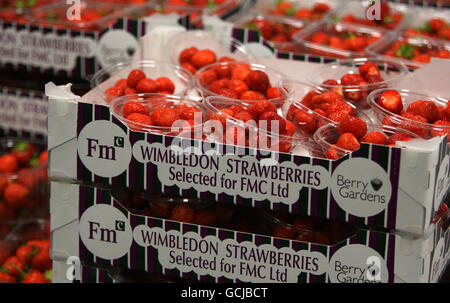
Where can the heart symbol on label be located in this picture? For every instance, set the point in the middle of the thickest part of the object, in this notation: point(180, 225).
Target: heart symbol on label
point(130, 51)
point(376, 184)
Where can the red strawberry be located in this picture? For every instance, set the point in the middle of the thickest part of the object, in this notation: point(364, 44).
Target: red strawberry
point(113, 92)
point(134, 77)
point(273, 93)
point(338, 116)
point(251, 95)
point(165, 84)
point(426, 109)
point(43, 157)
point(348, 141)
point(186, 54)
point(130, 91)
point(226, 92)
point(270, 116)
point(41, 260)
point(417, 128)
point(188, 66)
point(398, 137)
point(243, 116)
point(182, 213)
point(146, 85)
point(8, 164)
point(219, 84)
point(353, 125)
point(222, 71)
point(140, 119)
point(284, 231)
point(236, 109)
point(168, 117)
point(289, 129)
point(203, 57)
point(441, 128)
point(240, 72)
point(121, 83)
point(26, 252)
point(35, 276)
point(5, 278)
point(258, 81)
point(263, 26)
point(305, 122)
point(375, 137)
point(351, 79)
point(369, 69)
point(222, 116)
point(205, 217)
point(238, 86)
point(15, 195)
point(207, 77)
point(392, 101)
point(132, 107)
point(13, 266)
point(260, 107)
point(336, 106)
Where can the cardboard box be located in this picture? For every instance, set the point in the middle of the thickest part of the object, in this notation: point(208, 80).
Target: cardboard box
point(89, 224)
point(88, 144)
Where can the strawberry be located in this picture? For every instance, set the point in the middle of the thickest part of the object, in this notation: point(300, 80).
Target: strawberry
point(411, 125)
point(219, 84)
point(189, 113)
point(337, 106)
point(134, 77)
point(375, 137)
point(132, 107)
point(13, 266)
point(353, 125)
point(348, 141)
point(186, 54)
point(338, 116)
point(35, 276)
point(189, 67)
point(284, 231)
point(41, 260)
point(140, 119)
point(207, 77)
point(426, 109)
point(113, 92)
point(258, 81)
point(262, 26)
point(238, 86)
point(226, 92)
point(5, 278)
point(398, 137)
point(273, 93)
point(8, 164)
point(441, 128)
point(15, 195)
point(369, 69)
point(436, 24)
point(243, 116)
point(205, 217)
point(305, 122)
point(446, 111)
point(391, 101)
point(270, 118)
point(182, 213)
point(222, 116)
point(43, 157)
point(251, 95)
point(130, 91)
point(146, 85)
point(121, 83)
point(236, 109)
point(25, 252)
point(289, 129)
point(203, 58)
point(240, 72)
point(260, 107)
point(351, 79)
point(222, 71)
point(319, 38)
point(23, 151)
point(165, 84)
point(168, 117)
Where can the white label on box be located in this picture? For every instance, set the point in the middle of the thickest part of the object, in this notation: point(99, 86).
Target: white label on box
point(361, 187)
point(357, 263)
point(244, 261)
point(104, 148)
point(44, 50)
point(23, 113)
point(105, 231)
point(116, 46)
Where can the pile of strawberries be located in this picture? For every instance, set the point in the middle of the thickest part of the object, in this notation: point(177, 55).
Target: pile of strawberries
point(356, 87)
point(421, 117)
point(317, 109)
point(23, 181)
point(30, 261)
point(238, 81)
point(353, 132)
point(309, 229)
point(193, 211)
point(264, 113)
point(138, 83)
point(192, 58)
point(158, 112)
point(389, 19)
point(274, 30)
point(350, 40)
point(409, 48)
point(435, 28)
point(286, 8)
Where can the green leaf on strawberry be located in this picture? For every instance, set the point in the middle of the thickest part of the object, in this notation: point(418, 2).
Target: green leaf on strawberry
point(211, 5)
point(31, 3)
point(48, 274)
point(405, 51)
point(290, 12)
point(426, 28)
point(388, 19)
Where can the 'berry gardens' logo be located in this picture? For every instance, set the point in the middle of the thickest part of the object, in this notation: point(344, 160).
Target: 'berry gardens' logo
point(361, 187)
